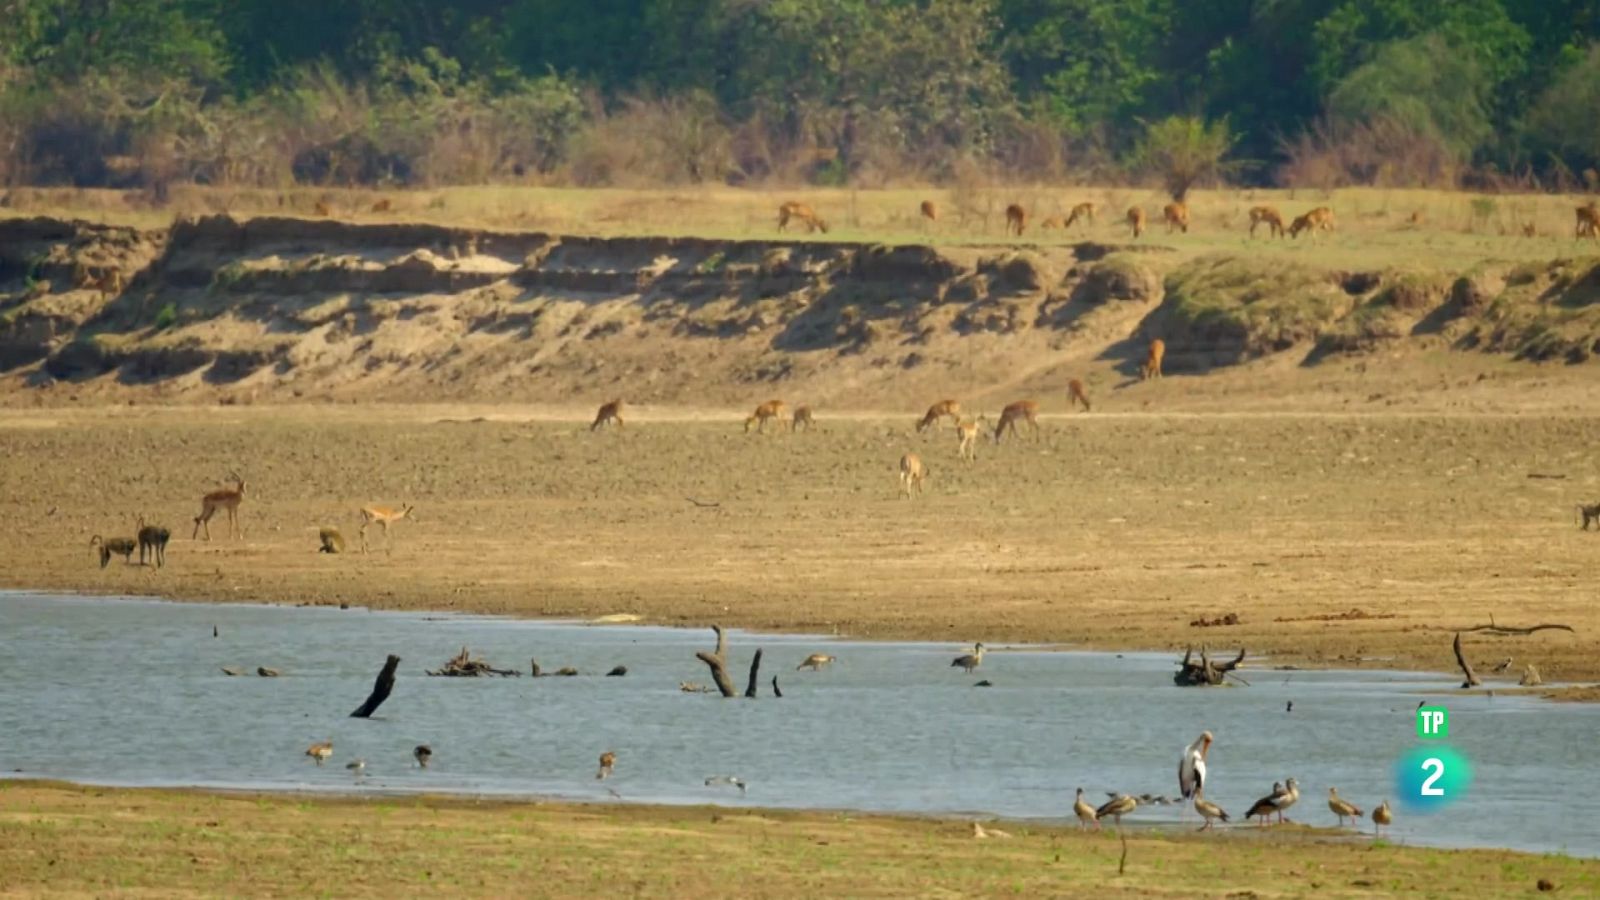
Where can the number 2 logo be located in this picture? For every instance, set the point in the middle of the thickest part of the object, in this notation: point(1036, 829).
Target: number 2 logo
point(1435, 765)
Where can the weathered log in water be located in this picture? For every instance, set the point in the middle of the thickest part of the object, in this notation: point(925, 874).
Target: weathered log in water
point(717, 662)
point(462, 665)
point(381, 689)
point(1206, 672)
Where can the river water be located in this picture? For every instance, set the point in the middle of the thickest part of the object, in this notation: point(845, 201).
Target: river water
point(131, 692)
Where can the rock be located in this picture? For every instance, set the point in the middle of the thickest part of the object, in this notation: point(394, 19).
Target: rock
point(266, 672)
point(232, 670)
point(618, 672)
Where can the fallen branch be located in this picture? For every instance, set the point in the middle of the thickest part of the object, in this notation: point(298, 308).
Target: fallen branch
point(703, 504)
point(1494, 630)
point(718, 663)
point(1461, 659)
point(380, 689)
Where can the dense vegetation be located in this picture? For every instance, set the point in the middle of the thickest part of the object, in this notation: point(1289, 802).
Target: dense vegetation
point(1319, 92)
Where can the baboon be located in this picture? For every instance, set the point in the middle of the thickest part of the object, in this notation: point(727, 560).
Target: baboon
point(1136, 220)
point(938, 411)
point(153, 539)
point(609, 412)
point(930, 211)
point(1588, 218)
point(1176, 215)
point(223, 498)
point(1016, 219)
point(1268, 216)
point(802, 417)
point(1152, 360)
point(1319, 219)
point(772, 409)
point(122, 547)
point(912, 474)
point(1076, 394)
point(382, 206)
point(1022, 409)
point(382, 515)
point(1589, 514)
point(801, 213)
point(1084, 211)
point(332, 539)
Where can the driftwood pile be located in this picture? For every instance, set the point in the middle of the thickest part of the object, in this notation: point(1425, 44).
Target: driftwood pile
point(1205, 672)
point(462, 665)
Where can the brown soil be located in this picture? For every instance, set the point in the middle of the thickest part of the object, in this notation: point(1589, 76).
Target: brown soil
point(1112, 530)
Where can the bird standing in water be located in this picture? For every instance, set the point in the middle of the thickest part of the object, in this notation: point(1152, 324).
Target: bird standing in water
point(969, 661)
point(1192, 766)
point(423, 753)
point(320, 751)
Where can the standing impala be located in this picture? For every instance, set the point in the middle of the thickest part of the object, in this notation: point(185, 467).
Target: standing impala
point(382, 515)
point(225, 499)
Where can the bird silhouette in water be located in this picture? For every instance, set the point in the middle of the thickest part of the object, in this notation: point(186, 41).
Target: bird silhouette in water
point(969, 661)
point(357, 765)
point(423, 753)
point(1290, 707)
point(213, 631)
point(734, 780)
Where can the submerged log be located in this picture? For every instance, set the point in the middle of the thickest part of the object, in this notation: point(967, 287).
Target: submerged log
point(1206, 672)
point(380, 689)
point(462, 665)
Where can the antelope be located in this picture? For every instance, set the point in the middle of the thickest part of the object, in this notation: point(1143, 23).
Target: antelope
point(1152, 360)
point(772, 409)
point(938, 411)
point(968, 432)
point(608, 761)
point(912, 474)
point(108, 546)
point(609, 412)
point(1022, 409)
point(1319, 219)
point(1588, 221)
point(930, 211)
point(801, 213)
point(1052, 223)
point(1076, 394)
point(382, 515)
point(802, 416)
point(222, 498)
point(816, 661)
point(1084, 211)
point(153, 538)
point(1136, 220)
point(1016, 219)
point(1266, 215)
point(321, 751)
point(382, 206)
point(1176, 215)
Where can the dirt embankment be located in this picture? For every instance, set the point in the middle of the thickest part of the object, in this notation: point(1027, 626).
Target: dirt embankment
point(276, 308)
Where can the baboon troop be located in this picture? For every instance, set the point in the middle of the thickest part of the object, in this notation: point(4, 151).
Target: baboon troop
point(1589, 514)
point(1136, 220)
point(225, 499)
point(1266, 215)
point(802, 418)
point(1319, 219)
point(1076, 394)
point(800, 212)
point(1016, 220)
point(772, 410)
point(912, 474)
point(1176, 215)
point(1588, 221)
point(938, 411)
point(609, 412)
point(153, 540)
point(1152, 360)
point(122, 547)
point(1022, 409)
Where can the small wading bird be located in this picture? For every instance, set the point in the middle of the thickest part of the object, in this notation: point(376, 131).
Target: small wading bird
point(1208, 810)
point(1192, 766)
point(320, 751)
point(969, 661)
point(1116, 808)
point(1381, 816)
point(734, 780)
point(1084, 812)
point(356, 765)
point(608, 761)
point(1342, 807)
point(816, 661)
point(423, 753)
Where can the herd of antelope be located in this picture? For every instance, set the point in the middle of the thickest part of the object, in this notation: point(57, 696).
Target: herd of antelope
point(1174, 215)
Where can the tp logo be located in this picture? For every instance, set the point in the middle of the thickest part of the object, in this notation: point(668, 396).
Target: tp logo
point(1432, 776)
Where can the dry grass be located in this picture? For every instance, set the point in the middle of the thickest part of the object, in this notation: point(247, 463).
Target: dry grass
point(1374, 225)
point(1113, 530)
point(59, 840)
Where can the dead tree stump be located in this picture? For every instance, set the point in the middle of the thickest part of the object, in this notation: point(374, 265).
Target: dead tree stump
point(1205, 673)
point(717, 661)
point(380, 689)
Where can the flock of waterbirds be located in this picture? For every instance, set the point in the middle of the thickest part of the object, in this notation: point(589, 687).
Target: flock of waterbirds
point(1192, 778)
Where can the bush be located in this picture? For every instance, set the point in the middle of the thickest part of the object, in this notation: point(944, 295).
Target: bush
point(1184, 151)
point(166, 317)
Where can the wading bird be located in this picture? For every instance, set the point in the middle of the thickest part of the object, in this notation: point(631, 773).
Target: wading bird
point(423, 753)
point(1342, 807)
point(1117, 807)
point(1192, 766)
point(1208, 811)
point(1084, 812)
point(969, 661)
point(320, 751)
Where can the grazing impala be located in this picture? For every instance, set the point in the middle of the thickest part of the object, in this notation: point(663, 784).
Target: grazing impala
point(802, 418)
point(938, 411)
point(800, 212)
point(968, 431)
point(912, 474)
point(609, 412)
point(382, 515)
point(225, 499)
point(1152, 360)
point(1016, 219)
point(1084, 212)
point(1076, 394)
point(1268, 216)
point(1022, 409)
point(770, 410)
point(1136, 220)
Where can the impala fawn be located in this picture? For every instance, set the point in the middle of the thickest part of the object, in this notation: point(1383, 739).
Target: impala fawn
point(912, 474)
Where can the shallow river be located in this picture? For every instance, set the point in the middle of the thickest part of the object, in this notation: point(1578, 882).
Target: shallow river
point(131, 692)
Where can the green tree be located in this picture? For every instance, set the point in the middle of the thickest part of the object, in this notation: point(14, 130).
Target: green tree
point(1562, 121)
point(1426, 84)
point(1184, 151)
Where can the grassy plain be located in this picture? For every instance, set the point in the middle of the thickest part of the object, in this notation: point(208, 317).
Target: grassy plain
point(61, 840)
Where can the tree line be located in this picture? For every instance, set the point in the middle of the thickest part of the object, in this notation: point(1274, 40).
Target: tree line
point(1312, 92)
